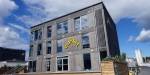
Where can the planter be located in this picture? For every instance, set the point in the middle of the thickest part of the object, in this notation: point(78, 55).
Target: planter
point(114, 68)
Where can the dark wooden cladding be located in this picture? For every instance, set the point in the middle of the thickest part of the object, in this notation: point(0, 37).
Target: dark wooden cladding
point(100, 28)
point(7, 54)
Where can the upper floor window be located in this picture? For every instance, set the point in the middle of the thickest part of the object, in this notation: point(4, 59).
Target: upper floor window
point(48, 63)
point(62, 63)
point(39, 49)
point(81, 23)
point(85, 41)
point(49, 31)
point(62, 27)
point(32, 36)
point(31, 51)
point(48, 47)
point(59, 46)
point(37, 34)
point(40, 34)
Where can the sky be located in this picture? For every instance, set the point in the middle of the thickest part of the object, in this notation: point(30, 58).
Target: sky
point(132, 18)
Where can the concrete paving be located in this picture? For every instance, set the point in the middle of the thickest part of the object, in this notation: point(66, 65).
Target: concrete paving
point(144, 71)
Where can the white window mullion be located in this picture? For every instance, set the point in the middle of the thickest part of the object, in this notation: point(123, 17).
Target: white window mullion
point(62, 64)
point(80, 24)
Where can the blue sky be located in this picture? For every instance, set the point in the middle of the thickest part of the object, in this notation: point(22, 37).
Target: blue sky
point(132, 20)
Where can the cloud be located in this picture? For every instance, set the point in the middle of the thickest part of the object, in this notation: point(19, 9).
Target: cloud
point(6, 6)
point(29, 20)
point(131, 38)
point(10, 38)
point(138, 10)
point(19, 27)
point(144, 36)
point(43, 10)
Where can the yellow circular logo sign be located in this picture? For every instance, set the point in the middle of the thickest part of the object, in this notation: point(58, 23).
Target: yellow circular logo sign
point(71, 41)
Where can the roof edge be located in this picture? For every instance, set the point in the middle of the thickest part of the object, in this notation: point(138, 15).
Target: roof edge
point(66, 14)
point(11, 48)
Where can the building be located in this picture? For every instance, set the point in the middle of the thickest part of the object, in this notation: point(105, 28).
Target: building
point(146, 59)
point(141, 61)
point(77, 41)
point(7, 54)
point(139, 56)
point(12, 60)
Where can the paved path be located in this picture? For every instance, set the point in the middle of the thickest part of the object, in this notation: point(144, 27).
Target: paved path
point(144, 71)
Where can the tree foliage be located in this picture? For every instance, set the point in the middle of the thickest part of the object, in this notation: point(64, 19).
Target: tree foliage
point(117, 58)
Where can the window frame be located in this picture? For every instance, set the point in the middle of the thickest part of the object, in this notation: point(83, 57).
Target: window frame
point(85, 61)
point(32, 36)
point(49, 31)
point(61, 42)
point(39, 34)
point(35, 33)
point(47, 47)
point(84, 45)
point(62, 64)
point(48, 64)
point(32, 66)
point(31, 51)
point(39, 50)
point(81, 26)
point(61, 27)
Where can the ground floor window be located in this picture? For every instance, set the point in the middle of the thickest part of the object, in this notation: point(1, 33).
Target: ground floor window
point(48, 63)
point(32, 66)
point(87, 61)
point(62, 63)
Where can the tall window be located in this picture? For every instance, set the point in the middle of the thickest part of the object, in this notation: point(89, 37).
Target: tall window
point(40, 34)
point(62, 63)
point(32, 36)
point(49, 31)
point(48, 63)
point(39, 49)
point(32, 66)
point(81, 23)
point(59, 46)
point(87, 61)
point(48, 47)
point(62, 27)
point(85, 41)
point(37, 35)
point(31, 51)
